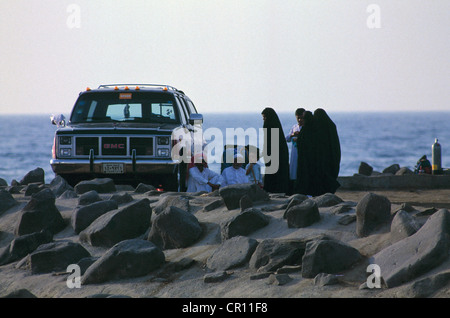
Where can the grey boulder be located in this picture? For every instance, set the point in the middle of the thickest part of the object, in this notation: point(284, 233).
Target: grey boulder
point(372, 211)
point(114, 226)
point(232, 194)
point(232, 253)
point(272, 254)
point(179, 201)
point(101, 185)
point(403, 225)
point(7, 201)
point(244, 223)
point(23, 245)
point(328, 256)
point(126, 259)
point(56, 256)
point(416, 254)
point(303, 214)
point(40, 213)
point(83, 216)
point(34, 176)
point(174, 228)
point(89, 197)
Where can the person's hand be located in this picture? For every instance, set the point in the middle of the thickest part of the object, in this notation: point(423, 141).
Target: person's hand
point(214, 186)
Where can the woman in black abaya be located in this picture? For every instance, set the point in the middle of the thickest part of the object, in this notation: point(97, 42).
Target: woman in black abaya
point(329, 152)
point(277, 182)
point(307, 167)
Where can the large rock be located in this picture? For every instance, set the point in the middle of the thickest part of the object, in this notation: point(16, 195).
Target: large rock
point(34, 176)
point(83, 216)
point(3, 183)
point(302, 215)
point(101, 185)
point(112, 227)
point(24, 245)
point(127, 259)
point(403, 225)
point(372, 211)
point(244, 223)
point(59, 185)
point(272, 254)
point(404, 171)
point(121, 198)
point(245, 203)
point(416, 254)
point(68, 194)
point(89, 197)
point(56, 256)
point(20, 293)
point(327, 200)
point(179, 201)
point(295, 199)
point(365, 169)
point(328, 256)
point(392, 169)
point(174, 228)
point(426, 287)
point(142, 188)
point(217, 203)
point(33, 188)
point(6, 201)
point(232, 194)
point(232, 253)
point(40, 213)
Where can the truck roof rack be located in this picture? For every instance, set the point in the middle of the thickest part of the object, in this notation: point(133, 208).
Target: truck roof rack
point(139, 85)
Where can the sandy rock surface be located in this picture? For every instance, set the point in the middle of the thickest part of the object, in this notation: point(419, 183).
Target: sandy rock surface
point(185, 272)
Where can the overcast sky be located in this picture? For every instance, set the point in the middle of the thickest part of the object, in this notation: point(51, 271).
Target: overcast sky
point(228, 55)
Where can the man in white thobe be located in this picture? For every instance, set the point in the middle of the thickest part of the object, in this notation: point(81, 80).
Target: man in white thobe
point(202, 178)
point(235, 174)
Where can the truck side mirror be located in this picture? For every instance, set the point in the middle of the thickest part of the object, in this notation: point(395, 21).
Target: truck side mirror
point(196, 119)
point(58, 120)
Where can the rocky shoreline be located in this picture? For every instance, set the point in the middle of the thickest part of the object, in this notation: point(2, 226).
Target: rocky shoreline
point(239, 242)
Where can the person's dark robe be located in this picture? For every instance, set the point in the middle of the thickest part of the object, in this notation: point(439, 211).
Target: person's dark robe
point(307, 162)
point(279, 181)
point(328, 152)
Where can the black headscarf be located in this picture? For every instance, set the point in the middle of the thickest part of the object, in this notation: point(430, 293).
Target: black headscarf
point(279, 181)
point(329, 151)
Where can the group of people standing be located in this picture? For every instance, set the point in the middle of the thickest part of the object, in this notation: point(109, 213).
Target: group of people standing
point(312, 168)
point(315, 154)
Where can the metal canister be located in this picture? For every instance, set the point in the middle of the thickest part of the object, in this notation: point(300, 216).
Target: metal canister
point(436, 157)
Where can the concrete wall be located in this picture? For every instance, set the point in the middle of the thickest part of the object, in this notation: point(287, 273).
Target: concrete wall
point(388, 182)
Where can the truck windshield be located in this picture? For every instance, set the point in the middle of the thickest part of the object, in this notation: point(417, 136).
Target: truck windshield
point(146, 107)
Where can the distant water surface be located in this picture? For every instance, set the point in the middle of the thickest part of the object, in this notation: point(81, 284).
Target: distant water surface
point(379, 139)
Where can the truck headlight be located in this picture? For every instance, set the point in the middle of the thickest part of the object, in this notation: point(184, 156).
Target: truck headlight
point(163, 140)
point(65, 152)
point(65, 140)
point(163, 152)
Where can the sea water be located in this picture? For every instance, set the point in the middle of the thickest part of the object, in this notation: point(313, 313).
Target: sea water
point(379, 139)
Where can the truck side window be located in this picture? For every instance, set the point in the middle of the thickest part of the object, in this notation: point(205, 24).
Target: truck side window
point(183, 109)
point(191, 107)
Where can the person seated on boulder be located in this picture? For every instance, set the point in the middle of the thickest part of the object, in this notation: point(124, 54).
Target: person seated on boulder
point(423, 166)
point(201, 178)
point(235, 174)
point(253, 169)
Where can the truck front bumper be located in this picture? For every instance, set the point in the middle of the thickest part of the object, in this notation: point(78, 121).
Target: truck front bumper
point(99, 166)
